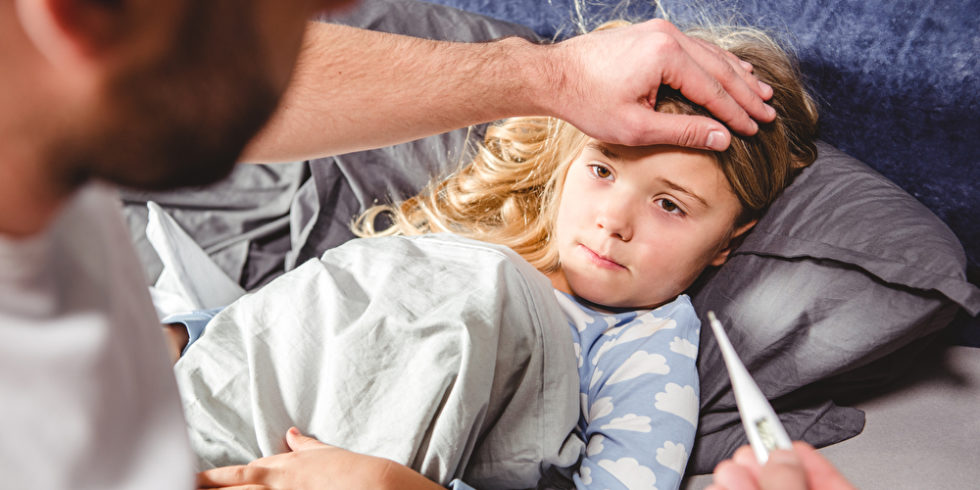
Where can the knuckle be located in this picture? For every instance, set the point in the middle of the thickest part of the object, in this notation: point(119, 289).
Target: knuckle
point(665, 45)
point(662, 25)
point(690, 136)
point(717, 93)
point(634, 131)
point(254, 473)
point(728, 74)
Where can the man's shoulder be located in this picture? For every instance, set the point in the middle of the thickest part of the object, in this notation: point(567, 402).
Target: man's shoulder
point(85, 255)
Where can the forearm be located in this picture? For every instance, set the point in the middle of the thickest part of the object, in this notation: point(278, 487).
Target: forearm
point(355, 89)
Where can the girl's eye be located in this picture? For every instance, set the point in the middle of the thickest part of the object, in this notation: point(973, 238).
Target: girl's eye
point(600, 171)
point(670, 206)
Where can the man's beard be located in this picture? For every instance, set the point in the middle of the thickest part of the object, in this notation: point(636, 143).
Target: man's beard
point(180, 121)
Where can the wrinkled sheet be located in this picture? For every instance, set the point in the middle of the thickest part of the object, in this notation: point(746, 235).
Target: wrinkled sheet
point(448, 355)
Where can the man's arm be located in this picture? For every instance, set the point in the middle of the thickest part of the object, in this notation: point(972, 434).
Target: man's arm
point(355, 89)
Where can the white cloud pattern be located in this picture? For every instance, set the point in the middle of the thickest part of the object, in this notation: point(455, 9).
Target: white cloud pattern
point(595, 445)
point(601, 408)
point(643, 327)
point(638, 364)
point(574, 313)
point(630, 421)
point(681, 346)
point(631, 473)
point(680, 401)
point(586, 475)
point(673, 456)
point(595, 378)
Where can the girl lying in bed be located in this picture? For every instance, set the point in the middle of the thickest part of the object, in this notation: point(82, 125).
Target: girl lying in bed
point(454, 357)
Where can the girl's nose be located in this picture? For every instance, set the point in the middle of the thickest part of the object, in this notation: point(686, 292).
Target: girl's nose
point(614, 218)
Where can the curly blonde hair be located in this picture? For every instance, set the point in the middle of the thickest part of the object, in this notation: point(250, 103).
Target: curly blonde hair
point(509, 193)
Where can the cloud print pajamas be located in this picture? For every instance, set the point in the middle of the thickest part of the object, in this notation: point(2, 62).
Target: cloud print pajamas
point(639, 392)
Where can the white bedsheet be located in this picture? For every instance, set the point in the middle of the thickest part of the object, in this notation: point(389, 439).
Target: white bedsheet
point(445, 354)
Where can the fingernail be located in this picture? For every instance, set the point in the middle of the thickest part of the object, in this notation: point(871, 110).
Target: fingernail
point(716, 140)
point(294, 431)
point(766, 89)
point(746, 65)
point(770, 110)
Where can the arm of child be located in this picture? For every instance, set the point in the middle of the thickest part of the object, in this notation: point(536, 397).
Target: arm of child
point(313, 465)
point(184, 329)
point(642, 405)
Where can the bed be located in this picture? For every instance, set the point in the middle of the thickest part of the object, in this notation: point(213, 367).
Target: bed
point(854, 300)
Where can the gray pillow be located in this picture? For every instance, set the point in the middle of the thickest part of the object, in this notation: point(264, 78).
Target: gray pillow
point(844, 270)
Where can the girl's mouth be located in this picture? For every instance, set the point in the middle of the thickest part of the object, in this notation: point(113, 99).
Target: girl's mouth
point(600, 260)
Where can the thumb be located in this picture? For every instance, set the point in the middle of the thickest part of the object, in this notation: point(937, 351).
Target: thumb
point(783, 471)
point(299, 442)
point(660, 128)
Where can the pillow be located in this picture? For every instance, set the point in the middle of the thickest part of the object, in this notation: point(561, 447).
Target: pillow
point(842, 273)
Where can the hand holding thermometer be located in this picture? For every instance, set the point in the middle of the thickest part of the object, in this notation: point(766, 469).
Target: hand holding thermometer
point(763, 428)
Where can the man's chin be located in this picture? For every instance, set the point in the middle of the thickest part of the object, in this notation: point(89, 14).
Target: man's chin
point(178, 174)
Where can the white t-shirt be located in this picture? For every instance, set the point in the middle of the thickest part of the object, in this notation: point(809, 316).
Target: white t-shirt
point(87, 394)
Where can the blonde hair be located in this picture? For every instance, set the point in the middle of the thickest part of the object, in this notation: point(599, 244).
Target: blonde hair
point(509, 193)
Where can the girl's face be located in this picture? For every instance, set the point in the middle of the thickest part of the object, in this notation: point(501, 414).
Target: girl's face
point(636, 226)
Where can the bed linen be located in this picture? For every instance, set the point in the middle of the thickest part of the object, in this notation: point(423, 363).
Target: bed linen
point(445, 354)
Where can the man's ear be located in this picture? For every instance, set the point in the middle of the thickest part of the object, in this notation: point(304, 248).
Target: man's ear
point(72, 32)
point(732, 242)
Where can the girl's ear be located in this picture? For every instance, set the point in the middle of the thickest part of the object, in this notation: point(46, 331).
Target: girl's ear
point(70, 33)
point(732, 241)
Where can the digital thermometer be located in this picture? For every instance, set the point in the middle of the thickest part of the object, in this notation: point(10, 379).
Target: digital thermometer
point(762, 426)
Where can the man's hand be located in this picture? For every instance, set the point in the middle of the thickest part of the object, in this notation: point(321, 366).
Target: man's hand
point(608, 83)
point(313, 465)
point(803, 468)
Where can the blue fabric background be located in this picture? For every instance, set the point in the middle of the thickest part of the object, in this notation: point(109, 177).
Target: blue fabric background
point(898, 82)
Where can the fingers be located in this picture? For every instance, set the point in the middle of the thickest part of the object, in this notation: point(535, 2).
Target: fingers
point(714, 79)
point(675, 129)
point(245, 487)
point(299, 442)
point(799, 469)
point(741, 68)
point(233, 476)
point(745, 457)
point(733, 476)
point(819, 470)
point(692, 79)
point(783, 471)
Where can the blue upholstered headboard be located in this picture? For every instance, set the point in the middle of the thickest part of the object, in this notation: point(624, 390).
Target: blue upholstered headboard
point(898, 82)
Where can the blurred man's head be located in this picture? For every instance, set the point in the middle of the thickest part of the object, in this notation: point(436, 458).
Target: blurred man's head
point(144, 93)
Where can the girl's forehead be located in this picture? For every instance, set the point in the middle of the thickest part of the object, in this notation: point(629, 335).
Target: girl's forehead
point(622, 152)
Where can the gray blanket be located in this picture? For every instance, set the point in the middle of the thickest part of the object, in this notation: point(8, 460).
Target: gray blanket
point(448, 355)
